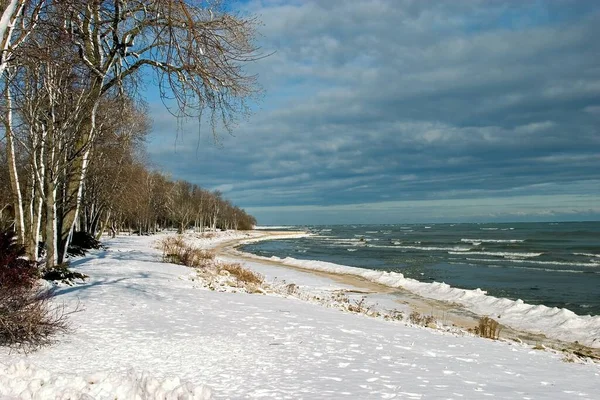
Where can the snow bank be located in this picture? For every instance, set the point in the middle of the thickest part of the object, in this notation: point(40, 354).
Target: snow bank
point(556, 323)
point(208, 240)
point(23, 381)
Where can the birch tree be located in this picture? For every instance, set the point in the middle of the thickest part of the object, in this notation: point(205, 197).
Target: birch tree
point(18, 19)
point(196, 50)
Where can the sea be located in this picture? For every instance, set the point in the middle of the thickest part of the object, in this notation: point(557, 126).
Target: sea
point(555, 264)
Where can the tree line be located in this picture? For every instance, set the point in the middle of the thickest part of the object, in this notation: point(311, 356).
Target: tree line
point(70, 73)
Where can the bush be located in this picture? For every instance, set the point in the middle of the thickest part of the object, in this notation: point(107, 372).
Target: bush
point(171, 247)
point(15, 270)
point(242, 274)
point(27, 320)
point(62, 273)
point(81, 242)
point(177, 251)
point(423, 320)
point(488, 328)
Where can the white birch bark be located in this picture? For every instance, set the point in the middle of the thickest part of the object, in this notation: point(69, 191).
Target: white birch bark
point(12, 167)
point(7, 21)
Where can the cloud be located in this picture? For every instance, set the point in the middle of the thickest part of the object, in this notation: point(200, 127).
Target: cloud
point(411, 101)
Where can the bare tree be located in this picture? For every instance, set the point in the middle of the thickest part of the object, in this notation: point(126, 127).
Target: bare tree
point(19, 17)
point(123, 127)
point(197, 52)
point(92, 49)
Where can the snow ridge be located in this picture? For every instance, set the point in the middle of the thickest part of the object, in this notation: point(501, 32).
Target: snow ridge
point(26, 382)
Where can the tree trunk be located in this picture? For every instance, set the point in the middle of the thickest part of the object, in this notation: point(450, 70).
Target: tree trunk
point(51, 237)
point(12, 167)
point(75, 181)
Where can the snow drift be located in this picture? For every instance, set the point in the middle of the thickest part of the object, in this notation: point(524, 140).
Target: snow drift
point(23, 381)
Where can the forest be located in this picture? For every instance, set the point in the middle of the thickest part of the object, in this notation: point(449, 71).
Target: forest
point(74, 121)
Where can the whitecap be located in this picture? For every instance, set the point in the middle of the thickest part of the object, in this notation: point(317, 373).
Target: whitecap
point(501, 254)
point(493, 240)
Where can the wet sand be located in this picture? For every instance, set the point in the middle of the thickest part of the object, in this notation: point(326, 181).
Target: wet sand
point(446, 312)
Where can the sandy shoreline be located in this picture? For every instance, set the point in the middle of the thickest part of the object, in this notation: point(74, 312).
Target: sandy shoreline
point(451, 313)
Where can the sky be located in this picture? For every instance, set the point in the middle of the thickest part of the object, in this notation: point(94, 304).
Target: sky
point(400, 111)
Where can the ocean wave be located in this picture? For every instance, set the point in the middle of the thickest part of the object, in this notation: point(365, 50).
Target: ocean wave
point(492, 241)
point(587, 254)
point(571, 271)
point(504, 254)
point(424, 248)
point(512, 260)
point(351, 249)
point(488, 229)
point(338, 240)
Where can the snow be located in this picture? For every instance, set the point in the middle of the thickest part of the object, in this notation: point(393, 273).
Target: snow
point(148, 330)
point(556, 323)
point(27, 382)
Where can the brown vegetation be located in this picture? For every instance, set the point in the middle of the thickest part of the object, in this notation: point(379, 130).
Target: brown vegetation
point(488, 328)
point(177, 251)
point(242, 274)
point(423, 320)
point(28, 320)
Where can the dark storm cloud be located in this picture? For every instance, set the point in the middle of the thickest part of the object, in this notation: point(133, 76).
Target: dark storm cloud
point(399, 101)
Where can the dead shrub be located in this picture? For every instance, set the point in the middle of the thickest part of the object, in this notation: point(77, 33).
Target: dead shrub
point(171, 247)
point(394, 315)
point(360, 306)
point(16, 270)
point(488, 328)
point(177, 251)
point(292, 289)
point(196, 258)
point(27, 318)
point(242, 274)
point(423, 320)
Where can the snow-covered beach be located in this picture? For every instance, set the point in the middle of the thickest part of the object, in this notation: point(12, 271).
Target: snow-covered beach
point(551, 322)
point(147, 329)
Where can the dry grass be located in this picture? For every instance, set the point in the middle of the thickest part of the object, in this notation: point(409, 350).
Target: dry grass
point(171, 246)
point(28, 320)
point(488, 328)
point(177, 251)
point(292, 289)
point(419, 319)
point(361, 306)
point(196, 258)
point(242, 274)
